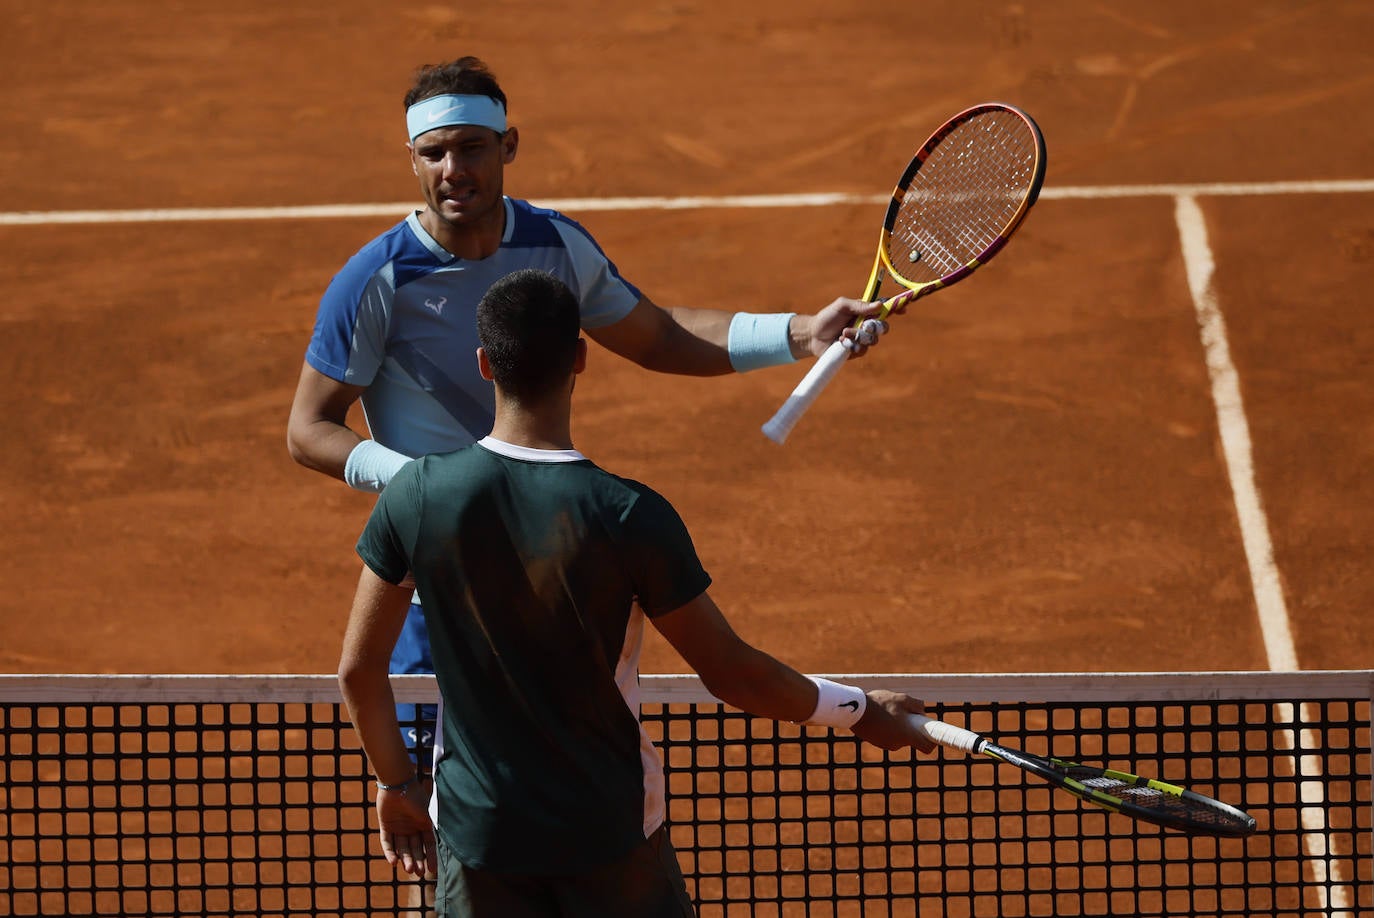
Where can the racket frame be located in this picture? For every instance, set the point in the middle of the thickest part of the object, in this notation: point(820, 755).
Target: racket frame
point(828, 364)
point(1054, 771)
point(917, 289)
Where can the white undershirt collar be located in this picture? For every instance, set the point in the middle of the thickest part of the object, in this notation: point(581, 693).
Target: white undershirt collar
point(528, 453)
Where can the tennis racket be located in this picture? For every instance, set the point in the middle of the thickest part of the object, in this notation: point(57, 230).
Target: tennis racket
point(1141, 798)
point(962, 195)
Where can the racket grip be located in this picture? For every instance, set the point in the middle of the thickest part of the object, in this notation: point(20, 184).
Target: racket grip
point(816, 379)
point(946, 734)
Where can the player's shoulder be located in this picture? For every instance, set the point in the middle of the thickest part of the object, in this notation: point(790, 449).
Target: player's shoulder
point(534, 211)
point(584, 479)
point(438, 464)
point(434, 475)
point(536, 225)
point(638, 496)
point(400, 252)
point(384, 247)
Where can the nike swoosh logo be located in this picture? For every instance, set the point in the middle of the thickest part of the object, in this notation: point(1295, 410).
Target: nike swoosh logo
point(852, 705)
point(435, 116)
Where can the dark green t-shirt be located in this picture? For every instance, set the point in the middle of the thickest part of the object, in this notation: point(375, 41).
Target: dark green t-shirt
point(529, 565)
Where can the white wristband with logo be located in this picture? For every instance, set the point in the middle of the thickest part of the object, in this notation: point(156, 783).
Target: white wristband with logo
point(837, 705)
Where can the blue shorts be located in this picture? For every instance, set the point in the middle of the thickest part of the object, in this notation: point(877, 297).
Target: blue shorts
point(417, 720)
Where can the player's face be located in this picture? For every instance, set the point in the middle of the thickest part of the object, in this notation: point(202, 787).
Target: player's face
point(460, 171)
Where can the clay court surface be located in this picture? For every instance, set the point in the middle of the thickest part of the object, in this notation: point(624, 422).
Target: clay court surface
point(1027, 476)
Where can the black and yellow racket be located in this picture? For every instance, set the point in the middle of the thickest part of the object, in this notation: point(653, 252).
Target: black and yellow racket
point(961, 197)
point(1140, 798)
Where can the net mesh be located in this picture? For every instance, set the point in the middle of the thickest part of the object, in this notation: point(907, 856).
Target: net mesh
point(962, 200)
point(226, 797)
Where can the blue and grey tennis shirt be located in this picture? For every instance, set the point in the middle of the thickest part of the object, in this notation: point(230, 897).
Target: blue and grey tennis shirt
point(400, 319)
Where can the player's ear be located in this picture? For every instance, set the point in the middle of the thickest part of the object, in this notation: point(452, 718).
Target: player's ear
point(410, 149)
point(510, 142)
point(580, 363)
point(484, 365)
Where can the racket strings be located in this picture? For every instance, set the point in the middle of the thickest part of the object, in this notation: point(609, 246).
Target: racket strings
point(1171, 808)
point(964, 198)
point(1189, 810)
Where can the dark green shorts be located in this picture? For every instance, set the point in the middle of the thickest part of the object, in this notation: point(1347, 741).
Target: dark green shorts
point(646, 883)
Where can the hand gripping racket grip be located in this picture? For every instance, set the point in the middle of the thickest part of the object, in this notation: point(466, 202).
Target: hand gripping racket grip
point(824, 370)
point(816, 379)
point(946, 734)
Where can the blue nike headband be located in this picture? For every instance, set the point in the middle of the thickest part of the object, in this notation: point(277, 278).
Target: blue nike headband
point(446, 111)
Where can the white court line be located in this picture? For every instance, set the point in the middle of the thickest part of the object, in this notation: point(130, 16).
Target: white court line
point(1216, 189)
point(1331, 868)
point(1235, 437)
point(587, 205)
point(1328, 865)
point(397, 210)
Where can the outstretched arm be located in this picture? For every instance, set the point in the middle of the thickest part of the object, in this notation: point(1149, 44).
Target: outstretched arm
point(711, 342)
point(745, 677)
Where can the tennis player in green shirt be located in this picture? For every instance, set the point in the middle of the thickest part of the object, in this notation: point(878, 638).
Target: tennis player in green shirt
point(537, 570)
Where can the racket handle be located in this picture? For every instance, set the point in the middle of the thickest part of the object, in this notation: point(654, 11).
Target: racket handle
point(946, 734)
point(816, 379)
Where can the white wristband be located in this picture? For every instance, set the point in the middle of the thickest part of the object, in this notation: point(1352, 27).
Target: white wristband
point(371, 465)
point(759, 340)
point(837, 705)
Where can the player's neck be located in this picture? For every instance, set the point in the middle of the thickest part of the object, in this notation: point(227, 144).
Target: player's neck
point(547, 426)
point(468, 241)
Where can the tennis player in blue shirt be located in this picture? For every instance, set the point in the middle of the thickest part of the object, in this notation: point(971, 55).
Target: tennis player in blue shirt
point(395, 329)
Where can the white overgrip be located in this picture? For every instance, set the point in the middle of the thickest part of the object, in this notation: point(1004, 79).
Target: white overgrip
point(946, 734)
point(815, 380)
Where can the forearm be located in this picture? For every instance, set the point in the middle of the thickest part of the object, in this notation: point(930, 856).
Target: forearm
point(693, 342)
point(322, 445)
point(336, 450)
point(372, 708)
point(746, 340)
point(747, 678)
point(751, 341)
point(374, 622)
point(758, 683)
point(711, 342)
point(317, 432)
point(318, 436)
point(690, 341)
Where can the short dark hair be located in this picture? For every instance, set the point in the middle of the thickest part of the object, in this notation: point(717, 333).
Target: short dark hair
point(529, 324)
point(466, 76)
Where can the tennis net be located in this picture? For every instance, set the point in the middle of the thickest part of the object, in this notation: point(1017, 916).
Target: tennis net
point(235, 795)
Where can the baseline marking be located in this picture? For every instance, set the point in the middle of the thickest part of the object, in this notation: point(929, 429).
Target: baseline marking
point(344, 211)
